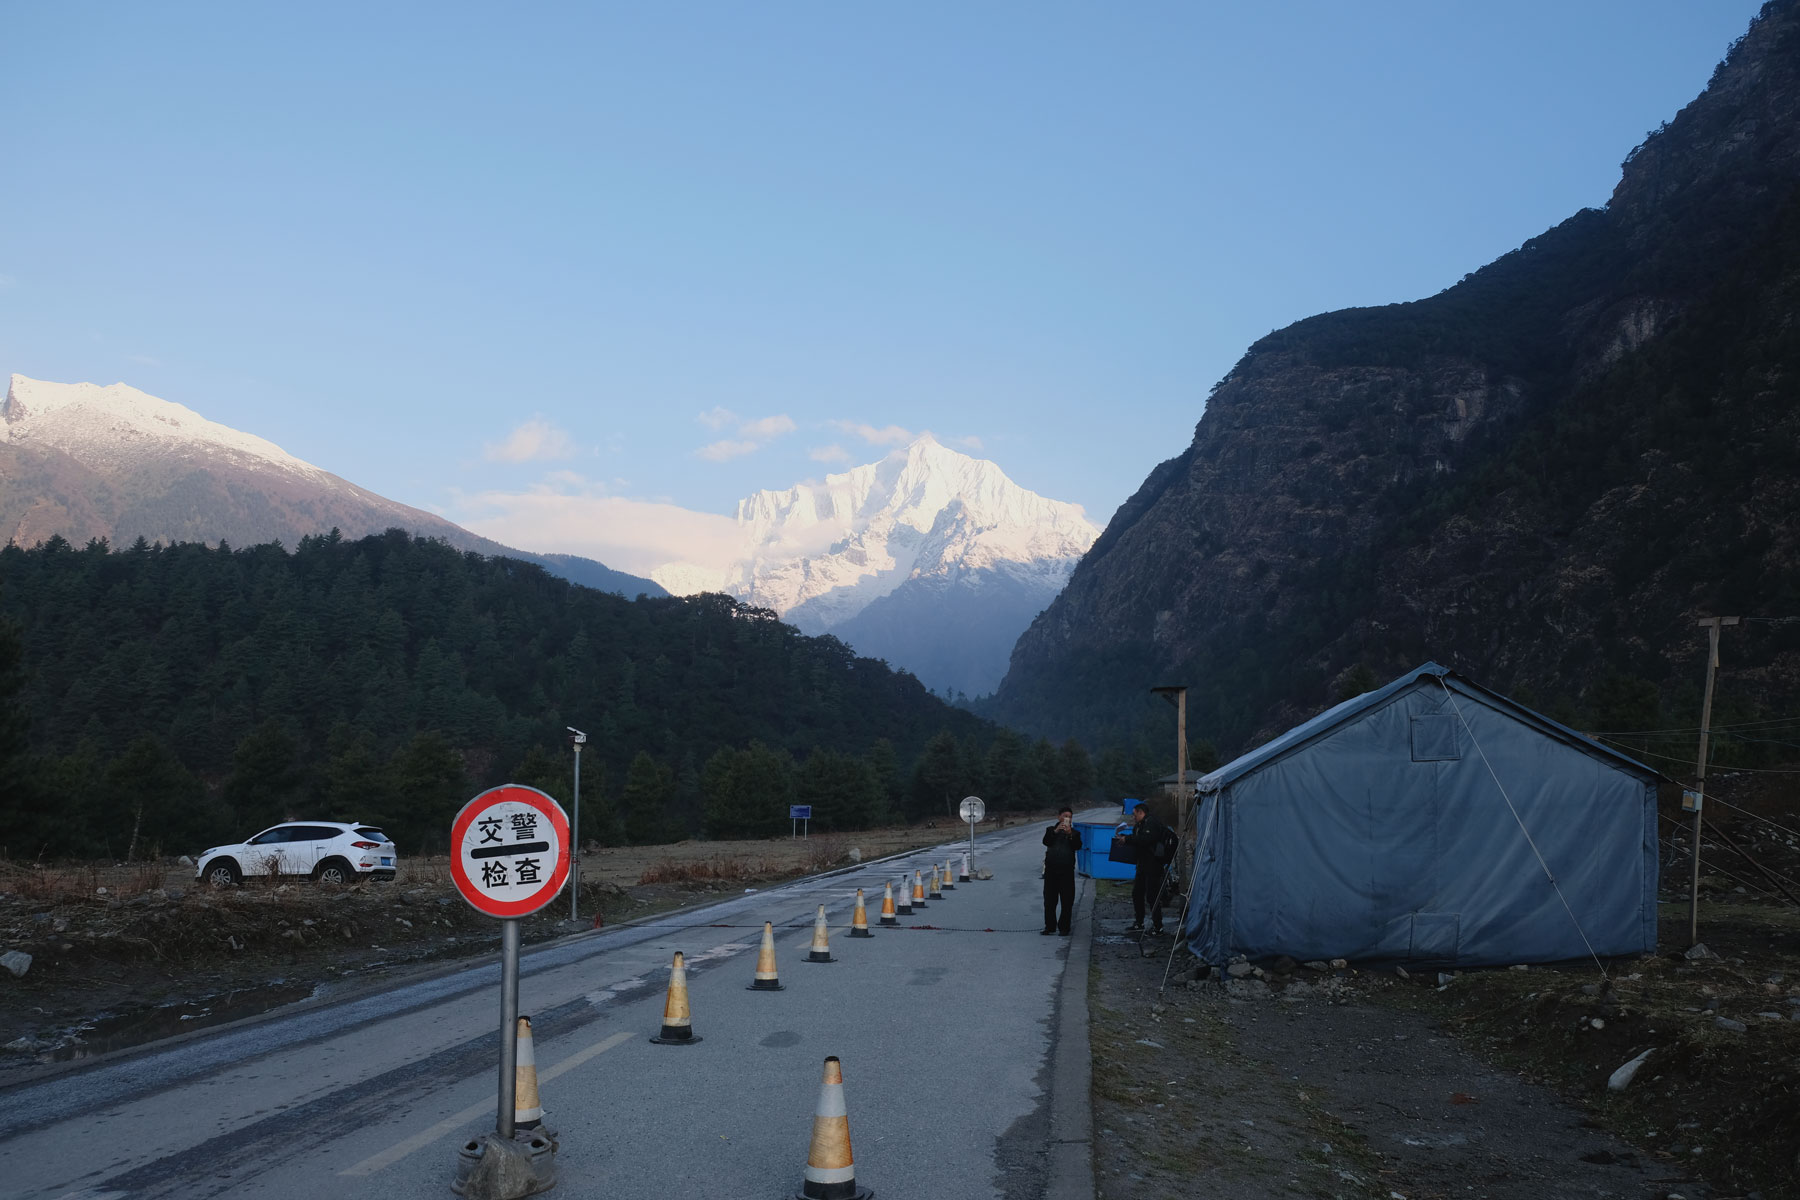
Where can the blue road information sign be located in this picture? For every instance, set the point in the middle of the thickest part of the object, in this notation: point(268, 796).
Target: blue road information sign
point(509, 850)
point(799, 812)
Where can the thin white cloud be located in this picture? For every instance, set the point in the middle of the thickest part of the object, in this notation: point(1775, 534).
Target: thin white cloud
point(890, 435)
point(833, 453)
point(768, 427)
point(723, 451)
point(752, 434)
point(537, 440)
point(971, 442)
point(7, 281)
point(627, 534)
point(570, 480)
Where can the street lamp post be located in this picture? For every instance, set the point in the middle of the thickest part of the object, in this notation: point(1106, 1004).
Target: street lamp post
point(578, 739)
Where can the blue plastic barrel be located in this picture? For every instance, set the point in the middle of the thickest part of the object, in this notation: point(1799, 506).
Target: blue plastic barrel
point(1096, 844)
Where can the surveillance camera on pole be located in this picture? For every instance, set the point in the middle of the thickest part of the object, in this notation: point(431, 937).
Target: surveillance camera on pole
point(578, 739)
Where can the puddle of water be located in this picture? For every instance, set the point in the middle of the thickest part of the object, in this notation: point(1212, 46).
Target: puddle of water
point(123, 1030)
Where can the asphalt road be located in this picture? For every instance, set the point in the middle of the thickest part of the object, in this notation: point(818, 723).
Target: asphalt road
point(945, 1029)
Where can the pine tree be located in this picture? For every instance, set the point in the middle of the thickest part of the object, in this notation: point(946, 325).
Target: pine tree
point(267, 784)
point(428, 787)
point(152, 803)
point(840, 788)
point(355, 777)
point(16, 802)
point(1076, 775)
point(649, 787)
point(884, 764)
point(939, 777)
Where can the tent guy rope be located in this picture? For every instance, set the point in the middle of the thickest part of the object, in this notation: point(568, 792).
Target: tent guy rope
point(1512, 808)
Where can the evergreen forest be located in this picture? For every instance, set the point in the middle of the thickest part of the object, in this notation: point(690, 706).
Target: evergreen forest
point(161, 699)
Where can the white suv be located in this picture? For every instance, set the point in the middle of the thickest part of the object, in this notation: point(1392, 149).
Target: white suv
point(328, 851)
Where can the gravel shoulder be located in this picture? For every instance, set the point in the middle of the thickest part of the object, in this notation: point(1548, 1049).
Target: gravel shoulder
point(1322, 1086)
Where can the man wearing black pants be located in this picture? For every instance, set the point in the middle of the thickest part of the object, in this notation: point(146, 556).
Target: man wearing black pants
point(1153, 847)
point(1060, 844)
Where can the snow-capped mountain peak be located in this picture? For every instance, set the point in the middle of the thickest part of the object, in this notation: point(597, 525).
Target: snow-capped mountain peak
point(117, 424)
point(818, 553)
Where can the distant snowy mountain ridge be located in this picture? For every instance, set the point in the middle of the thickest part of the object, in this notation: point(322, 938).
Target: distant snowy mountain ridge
point(82, 461)
point(117, 425)
point(924, 520)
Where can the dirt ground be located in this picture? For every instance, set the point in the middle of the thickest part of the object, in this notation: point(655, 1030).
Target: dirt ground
point(1343, 1082)
point(123, 955)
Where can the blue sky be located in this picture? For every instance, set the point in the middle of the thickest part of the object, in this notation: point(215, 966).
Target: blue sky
point(582, 275)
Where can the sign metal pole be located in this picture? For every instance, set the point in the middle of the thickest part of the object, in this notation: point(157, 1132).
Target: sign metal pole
point(509, 1024)
point(579, 739)
point(973, 811)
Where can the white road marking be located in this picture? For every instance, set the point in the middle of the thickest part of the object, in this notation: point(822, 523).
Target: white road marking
point(455, 1121)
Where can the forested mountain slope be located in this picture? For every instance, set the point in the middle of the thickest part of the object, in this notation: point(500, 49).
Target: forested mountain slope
point(207, 691)
point(1542, 475)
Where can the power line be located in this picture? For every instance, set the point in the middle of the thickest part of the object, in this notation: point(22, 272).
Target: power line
point(1721, 769)
point(1695, 728)
point(1754, 816)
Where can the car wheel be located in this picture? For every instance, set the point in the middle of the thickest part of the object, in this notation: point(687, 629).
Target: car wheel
point(336, 872)
point(223, 874)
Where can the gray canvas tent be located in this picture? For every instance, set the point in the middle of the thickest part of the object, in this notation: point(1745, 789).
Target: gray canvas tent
point(1425, 822)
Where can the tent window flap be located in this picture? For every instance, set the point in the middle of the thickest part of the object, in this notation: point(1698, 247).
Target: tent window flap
point(1434, 738)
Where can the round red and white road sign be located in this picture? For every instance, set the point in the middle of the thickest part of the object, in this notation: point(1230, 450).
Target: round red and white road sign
point(509, 850)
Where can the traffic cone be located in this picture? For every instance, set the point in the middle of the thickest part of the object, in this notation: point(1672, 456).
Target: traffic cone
point(936, 892)
point(528, 1110)
point(949, 875)
point(887, 906)
point(965, 869)
point(830, 1167)
point(918, 889)
point(767, 978)
point(905, 900)
point(859, 921)
point(677, 1025)
point(821, 944)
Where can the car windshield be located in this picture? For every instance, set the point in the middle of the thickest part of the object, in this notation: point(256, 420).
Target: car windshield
point(373, 834)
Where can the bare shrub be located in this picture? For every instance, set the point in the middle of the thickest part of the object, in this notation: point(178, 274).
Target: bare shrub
point(141, 877)
point(51, 884)
point(415, 872)
point(824, 853)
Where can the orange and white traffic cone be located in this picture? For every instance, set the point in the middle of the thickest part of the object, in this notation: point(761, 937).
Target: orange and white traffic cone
point(949, 877)
point(821, 943)
point(768, 979)
point(887, 906)
point(965, 867)
point(859, 920)
point(936, 892)
point(918, 889)
point(905, 900)
point(830, 1167)
point(677, 1023)
point(528, 1110)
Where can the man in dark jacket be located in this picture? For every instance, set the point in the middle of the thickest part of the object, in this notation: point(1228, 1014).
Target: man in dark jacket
point(1060, 844)
point(1153, 847)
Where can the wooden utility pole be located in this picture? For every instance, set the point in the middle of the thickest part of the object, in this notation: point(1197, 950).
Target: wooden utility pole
point(1178, 697)
point(1712, 626)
